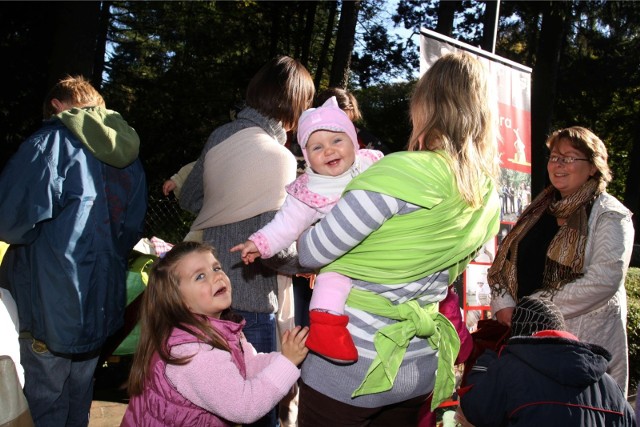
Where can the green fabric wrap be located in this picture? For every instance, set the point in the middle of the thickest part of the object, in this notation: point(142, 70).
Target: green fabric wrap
point(391, 343)
point(105, 133)
point(444, 235)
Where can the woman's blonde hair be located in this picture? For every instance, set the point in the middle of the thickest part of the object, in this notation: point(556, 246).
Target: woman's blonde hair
point(163, 310)
point(75, 90)
point(587, 142)
point(453, 109)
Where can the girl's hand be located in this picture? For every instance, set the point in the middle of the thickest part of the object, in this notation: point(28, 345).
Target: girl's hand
point(293, 347)
point(504, 316)
point(249, 251)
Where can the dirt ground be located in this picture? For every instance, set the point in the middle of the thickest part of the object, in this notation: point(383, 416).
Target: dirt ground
point(109, 394)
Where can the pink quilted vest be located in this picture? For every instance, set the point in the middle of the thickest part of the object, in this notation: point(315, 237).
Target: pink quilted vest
point(160, 404)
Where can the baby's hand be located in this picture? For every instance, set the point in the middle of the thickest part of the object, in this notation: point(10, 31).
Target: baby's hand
point(168, 186)
point(293, 344)
point(249, 251)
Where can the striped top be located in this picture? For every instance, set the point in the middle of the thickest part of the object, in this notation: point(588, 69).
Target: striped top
point(356, 216)
point(401, 231)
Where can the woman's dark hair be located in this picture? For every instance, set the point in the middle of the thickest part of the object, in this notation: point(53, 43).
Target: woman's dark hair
point(346, 101)
point(282, 89)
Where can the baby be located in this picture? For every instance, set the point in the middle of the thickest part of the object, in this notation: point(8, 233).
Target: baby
point(330, 148)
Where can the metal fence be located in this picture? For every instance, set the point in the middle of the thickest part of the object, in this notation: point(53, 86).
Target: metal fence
point(166, 219)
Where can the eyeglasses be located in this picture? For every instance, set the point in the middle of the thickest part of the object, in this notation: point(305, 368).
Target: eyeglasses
point(565, 160)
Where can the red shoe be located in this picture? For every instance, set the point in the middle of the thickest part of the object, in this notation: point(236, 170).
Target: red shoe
point(329, 337)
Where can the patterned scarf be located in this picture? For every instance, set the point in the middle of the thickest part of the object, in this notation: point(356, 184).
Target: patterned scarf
point(565, 254)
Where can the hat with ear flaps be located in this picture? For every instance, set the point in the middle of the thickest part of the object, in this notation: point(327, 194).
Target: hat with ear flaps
point(533, 315)
point(327, 117)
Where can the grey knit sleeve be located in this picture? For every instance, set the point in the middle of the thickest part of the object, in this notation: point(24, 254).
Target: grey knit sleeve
point(192, 192)
point(286, 262)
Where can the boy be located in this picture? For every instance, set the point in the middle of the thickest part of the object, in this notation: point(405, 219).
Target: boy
point(543, 376)
point(73, 205)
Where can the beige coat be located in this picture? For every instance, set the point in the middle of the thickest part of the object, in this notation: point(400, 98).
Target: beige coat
point(595, 305)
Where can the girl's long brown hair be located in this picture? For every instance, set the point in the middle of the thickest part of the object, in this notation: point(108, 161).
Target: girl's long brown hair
point(452, 110)
point(162, 310)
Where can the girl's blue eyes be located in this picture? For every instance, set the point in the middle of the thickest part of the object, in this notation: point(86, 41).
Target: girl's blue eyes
point(202, 275)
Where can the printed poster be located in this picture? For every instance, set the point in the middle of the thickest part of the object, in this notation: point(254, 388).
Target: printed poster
point(512, 84)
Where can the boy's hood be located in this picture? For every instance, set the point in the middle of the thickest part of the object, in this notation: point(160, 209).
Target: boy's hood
point(566, 361)
point(105, 133)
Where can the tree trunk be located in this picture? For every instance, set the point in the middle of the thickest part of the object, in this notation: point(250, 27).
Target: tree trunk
point(344, 44)
point(328, 35)
point(308, 30)
point(543, 87)
point(101, 43)
point(275, 31)
point(74, 34)
point(300, 28)
point(446, 12)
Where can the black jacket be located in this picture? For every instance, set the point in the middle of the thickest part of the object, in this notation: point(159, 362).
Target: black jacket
point(550, 379)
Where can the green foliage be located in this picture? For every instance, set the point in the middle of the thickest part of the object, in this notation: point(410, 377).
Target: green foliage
point(599, 80)
point(598, 75)
point(633, 326)
point(383, 57)
point(385, 109)
point(468, 26)
point(176, 68)
point(25, 38)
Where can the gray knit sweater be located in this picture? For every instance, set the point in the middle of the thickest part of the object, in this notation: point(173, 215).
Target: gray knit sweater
point(254, 286)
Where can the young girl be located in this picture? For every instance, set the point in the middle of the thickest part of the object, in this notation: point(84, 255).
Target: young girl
point(193, 365)
point(330, 147)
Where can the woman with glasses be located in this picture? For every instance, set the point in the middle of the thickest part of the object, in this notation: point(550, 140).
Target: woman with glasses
point(572, 245)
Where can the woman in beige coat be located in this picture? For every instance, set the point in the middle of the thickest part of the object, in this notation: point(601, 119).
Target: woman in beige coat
point(573, 245)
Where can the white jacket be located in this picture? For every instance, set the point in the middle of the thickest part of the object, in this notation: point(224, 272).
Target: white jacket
point(595, 305)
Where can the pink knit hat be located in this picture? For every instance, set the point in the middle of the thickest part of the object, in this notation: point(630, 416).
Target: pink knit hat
point(327, 117)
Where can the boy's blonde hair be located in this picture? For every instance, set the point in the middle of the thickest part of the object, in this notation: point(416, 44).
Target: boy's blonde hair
point(452, 110)
point(75, 90)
